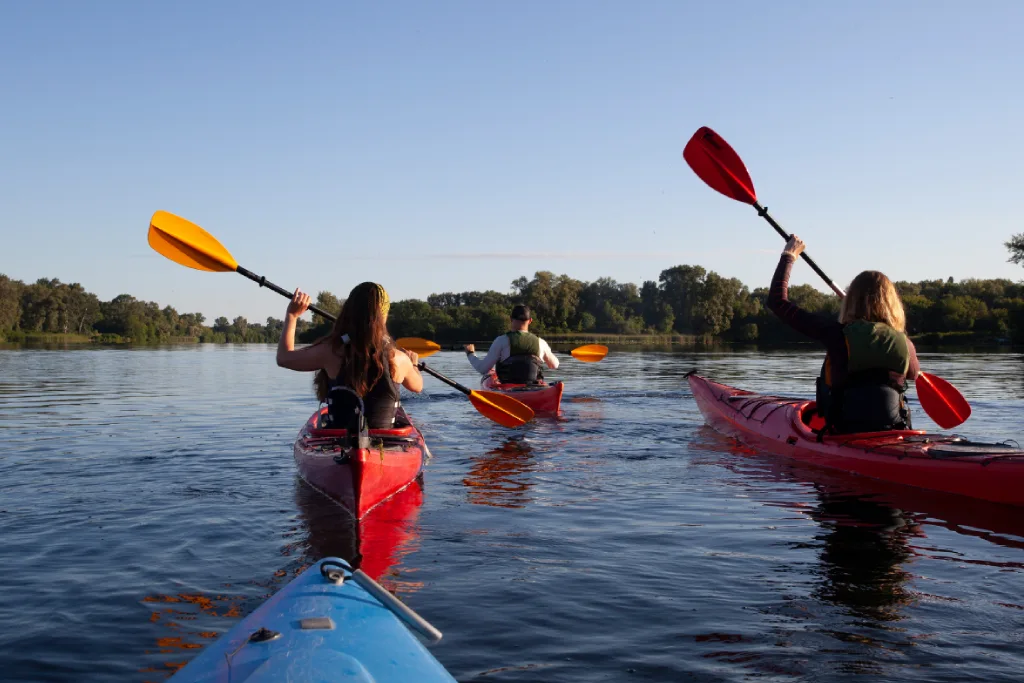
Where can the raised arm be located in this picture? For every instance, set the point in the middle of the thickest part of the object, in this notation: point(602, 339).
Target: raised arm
point(307, 359)
point(800, 320)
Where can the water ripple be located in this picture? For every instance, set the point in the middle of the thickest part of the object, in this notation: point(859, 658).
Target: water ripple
point(148, 500)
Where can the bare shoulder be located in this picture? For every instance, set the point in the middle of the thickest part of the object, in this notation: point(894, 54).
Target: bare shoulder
point(399, 361)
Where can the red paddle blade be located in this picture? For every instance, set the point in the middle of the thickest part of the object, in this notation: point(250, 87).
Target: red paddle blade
point(942, 401)
point(715, 162)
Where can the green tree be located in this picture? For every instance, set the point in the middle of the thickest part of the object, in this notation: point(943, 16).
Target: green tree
point(1016, 247)
point(10, 303)
point(553, 300)
point(960, 312)
point(239, 327)
point(326, 301)
point(411, 318)
point(681, 288)
point(713, 311)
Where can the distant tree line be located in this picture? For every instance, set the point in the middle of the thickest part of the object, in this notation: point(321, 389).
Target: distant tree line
point(685, 300)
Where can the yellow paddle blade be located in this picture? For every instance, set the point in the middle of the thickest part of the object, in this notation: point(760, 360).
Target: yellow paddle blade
point(422, 347)
point(505, 410)
point(591, 353)
point(186, 243)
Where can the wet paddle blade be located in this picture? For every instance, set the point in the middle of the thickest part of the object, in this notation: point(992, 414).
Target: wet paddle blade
point(942, 401)
point(591, 353)
point(186, 243)
point(421, 347)
point(505, 410)
point(718, 165)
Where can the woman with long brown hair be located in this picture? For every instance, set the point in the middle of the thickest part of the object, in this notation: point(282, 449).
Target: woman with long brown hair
point(357, 357)
point(868, 356)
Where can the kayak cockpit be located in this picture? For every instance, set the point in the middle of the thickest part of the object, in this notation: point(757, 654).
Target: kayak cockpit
point(810, 423)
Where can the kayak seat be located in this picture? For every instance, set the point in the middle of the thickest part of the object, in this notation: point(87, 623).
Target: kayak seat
point(811, 423)
point(403, 427)
point(408, 430)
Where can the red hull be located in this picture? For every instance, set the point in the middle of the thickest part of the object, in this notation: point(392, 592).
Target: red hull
point(932, 461)
point(545, 398)
point(369, 476)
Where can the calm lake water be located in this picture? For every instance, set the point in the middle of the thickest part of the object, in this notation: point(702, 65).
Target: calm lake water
point(148, 499)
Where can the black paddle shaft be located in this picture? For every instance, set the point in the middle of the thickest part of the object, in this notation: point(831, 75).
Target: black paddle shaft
point(763, 213)
point(450, 382)
point(264, 282)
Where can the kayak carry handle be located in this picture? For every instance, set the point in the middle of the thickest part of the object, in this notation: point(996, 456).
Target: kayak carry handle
point(329, 569)
point(413, 620)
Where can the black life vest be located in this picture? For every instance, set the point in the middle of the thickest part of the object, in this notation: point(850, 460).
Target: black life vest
point(375, 410)
point(872, 396)
point(523, 365)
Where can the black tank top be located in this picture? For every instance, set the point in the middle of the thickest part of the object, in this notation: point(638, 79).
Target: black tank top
point(382, 401)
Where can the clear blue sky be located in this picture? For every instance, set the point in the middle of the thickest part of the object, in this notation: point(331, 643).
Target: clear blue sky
point(449, 146)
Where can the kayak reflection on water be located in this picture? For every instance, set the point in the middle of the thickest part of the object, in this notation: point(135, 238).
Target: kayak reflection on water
point(377, 543)
point(870, 531)
point(864, 545)
point(500, 477)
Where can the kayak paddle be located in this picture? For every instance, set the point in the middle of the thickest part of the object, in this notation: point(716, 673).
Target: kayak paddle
point(591, 353)
point(501, 408)
point(421, 347)
point(718, 165)
point(944, 404)
point(186, 243)
point(505, 410)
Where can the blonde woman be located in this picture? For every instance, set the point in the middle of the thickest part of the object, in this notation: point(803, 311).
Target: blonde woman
point(868, 356)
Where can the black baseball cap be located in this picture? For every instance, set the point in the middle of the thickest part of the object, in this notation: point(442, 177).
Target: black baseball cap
point(521, 312)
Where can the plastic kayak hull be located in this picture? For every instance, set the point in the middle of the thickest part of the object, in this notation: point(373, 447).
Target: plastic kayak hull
point(543, 398)
point(316, 630)
point(364, 478)
point(939, 462)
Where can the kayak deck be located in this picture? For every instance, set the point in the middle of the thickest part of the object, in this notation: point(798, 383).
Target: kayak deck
point(541, 397)
point(363, 478)
point(785, 426)
point(315, 629)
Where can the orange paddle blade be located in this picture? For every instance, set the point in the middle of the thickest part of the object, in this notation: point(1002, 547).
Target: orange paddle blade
point(421, 347)
point(186, 243)
point(505, 410)
point(591, 353)
point(942, 401)
point(718, 165)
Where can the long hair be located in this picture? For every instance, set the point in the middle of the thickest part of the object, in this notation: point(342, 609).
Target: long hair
point(365, 355)
point(873, 297)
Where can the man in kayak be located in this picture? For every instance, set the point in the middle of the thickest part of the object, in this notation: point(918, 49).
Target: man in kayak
point(357, 365)
point(517, 356)
point(868, 356)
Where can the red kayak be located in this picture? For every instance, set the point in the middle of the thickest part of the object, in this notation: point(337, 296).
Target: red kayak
point(542, 397)
point(939, 462)
point(362, 478)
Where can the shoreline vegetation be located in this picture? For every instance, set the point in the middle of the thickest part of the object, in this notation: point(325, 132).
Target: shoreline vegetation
point(687, 306)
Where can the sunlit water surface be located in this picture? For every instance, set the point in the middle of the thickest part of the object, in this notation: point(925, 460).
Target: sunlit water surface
point(148, 500)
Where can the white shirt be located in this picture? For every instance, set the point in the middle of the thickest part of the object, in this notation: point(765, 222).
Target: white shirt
point(501, 349)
